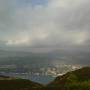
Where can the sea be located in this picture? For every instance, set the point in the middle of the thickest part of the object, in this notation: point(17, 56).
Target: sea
point(43, 79)
point(38, 78)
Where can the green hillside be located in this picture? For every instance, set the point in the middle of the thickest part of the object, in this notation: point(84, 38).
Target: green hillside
point(75, 80)
point(10, 83)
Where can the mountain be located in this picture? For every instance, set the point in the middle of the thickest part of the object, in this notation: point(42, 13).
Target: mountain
point(75, 80)
point(11, 83)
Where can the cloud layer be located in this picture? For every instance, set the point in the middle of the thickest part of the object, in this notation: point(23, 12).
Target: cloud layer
point(49, 24)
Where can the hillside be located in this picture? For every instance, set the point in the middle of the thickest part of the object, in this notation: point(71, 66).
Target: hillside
point(10, 83)
point(75, 80)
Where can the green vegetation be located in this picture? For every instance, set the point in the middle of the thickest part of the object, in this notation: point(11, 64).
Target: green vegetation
point(18, 84)
point(75, 80)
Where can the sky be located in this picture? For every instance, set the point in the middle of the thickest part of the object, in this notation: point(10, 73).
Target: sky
point(45, 25)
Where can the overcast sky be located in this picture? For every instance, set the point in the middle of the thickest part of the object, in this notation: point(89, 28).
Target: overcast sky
point(45, 24)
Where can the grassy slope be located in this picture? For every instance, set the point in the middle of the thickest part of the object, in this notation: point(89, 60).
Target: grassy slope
point(8, 83)
point(75, 80)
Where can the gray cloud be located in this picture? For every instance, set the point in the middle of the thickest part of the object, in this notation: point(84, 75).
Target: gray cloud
point(60, 23)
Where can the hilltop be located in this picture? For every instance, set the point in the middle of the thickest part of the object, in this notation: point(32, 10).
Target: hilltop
point(75, 80)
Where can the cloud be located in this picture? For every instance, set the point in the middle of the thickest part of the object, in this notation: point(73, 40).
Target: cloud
point(62, 23)
point(62, 26)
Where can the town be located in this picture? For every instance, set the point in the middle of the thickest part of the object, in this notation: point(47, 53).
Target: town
point(26, 70)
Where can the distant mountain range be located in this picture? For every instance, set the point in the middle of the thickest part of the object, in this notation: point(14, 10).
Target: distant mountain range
point(75, 80)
